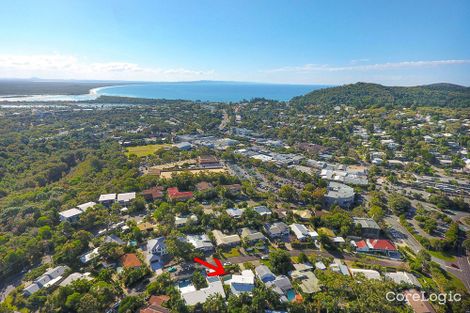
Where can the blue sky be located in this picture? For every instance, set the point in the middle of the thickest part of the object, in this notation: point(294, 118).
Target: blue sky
point(325, 42)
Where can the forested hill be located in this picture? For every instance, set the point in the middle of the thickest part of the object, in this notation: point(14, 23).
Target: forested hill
point(363, 95)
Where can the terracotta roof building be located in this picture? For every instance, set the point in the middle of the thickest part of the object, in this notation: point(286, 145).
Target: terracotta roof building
point(155, 305)
point(208, 161)
point(130, 260)
point(175, 195)
point(153, 193)
point(376, 246)
point(234, 188)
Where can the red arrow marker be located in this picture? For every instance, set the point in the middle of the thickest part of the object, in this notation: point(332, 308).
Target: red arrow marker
point(218, 269)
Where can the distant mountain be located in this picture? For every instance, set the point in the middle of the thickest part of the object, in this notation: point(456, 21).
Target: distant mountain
point(362, 95)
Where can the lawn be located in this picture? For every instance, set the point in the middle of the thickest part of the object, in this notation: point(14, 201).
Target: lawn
point(442, 255)
point(142, 151)
point(326, 231)
point(232, 253)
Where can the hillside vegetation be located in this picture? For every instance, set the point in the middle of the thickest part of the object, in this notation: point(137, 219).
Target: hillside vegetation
point(363, 95)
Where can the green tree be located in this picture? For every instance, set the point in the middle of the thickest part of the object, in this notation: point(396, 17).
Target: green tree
point(198, 280)
point(280, 261)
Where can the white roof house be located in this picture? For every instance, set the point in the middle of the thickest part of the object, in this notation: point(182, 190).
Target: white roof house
point(156, 248)
point(200, 242)
point(183, 220)
point(87, 257)
point(225, 240)
point(339, 193)
point(262, 210)
point(369, 274)
point(234, 212)
point(124, 198)
point(243, 283)
point(277, 229)
point(194, 297)
point(86, 206)
point(70, 215)
point(49, 278)
point(27, 291)
point(264, 273)
point(300, 231)
point(320, 265)
point(403, 277)
point(109, 197)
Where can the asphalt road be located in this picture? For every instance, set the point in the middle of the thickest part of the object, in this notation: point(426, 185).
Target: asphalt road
point(463, 263)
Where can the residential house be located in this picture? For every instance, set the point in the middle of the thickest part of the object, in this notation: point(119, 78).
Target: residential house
point(215, 287)
point(71, 216)
point(200, 242)
point(308, 282)
point(233, 189)
point(339, 267)
point(89, 256)
point(114, 239)
point(155, 305)
point(262, 210)
point(50, 278)
point(282, 286)
point(107, 199)
point(369, 274)
point(145, 226)
point(125, 198)
point(264, 273)
point(156, 249)
point(303, 215)
point(184, 220)
point(154, 193)
point(302, 233)
point(130, 260)
point(320, 265)
point(175, 195)
point(85, 206)
point(403, 277)
point(369, 228)
point(244, 283)
point(250, 236)
point(276, 230)
point(375, 246)
point(223, 240)
point(235, 212)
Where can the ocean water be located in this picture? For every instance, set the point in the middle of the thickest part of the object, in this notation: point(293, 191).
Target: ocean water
point(201, 90)
point(209, 91)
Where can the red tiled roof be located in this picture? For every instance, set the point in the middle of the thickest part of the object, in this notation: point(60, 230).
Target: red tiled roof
point(130, 260)
point(174, 193)
point(361, 244)
point(154, 192)
point(155, 309)
point(382, 244)
point(158, 300)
